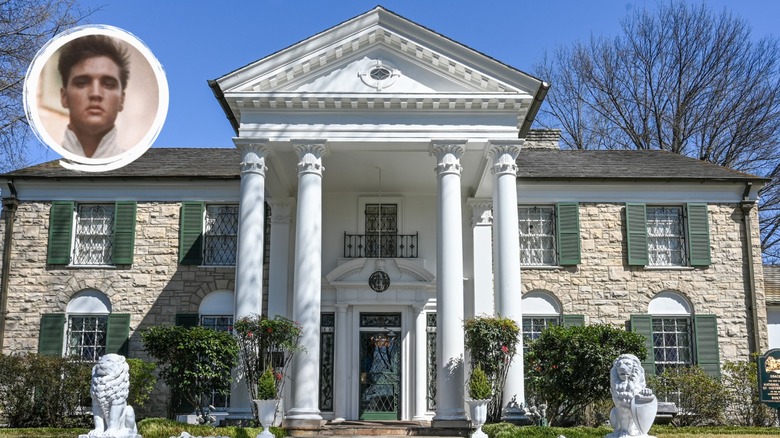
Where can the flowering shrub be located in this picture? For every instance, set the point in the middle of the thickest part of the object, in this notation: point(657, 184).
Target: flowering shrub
point(266, 344)
point(492, 343)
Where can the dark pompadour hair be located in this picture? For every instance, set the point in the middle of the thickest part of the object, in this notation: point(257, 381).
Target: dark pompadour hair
point(91, 46)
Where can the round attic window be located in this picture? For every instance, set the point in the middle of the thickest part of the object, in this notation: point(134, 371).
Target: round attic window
point(379, 75)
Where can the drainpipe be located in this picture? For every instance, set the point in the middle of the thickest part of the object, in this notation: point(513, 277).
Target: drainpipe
point(747, 206)
point(9, 206)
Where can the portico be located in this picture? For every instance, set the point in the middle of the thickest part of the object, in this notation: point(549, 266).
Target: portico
point(374, 143)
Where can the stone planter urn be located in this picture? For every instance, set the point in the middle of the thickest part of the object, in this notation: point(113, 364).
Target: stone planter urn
point(266, 413)
point(478, 410)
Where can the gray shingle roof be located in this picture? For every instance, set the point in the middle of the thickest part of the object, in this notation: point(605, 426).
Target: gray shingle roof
point(532, 163)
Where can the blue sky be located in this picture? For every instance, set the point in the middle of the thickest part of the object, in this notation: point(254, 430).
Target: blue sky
point(200, 40)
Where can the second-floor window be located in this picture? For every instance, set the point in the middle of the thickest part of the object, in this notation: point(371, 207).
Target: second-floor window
point(537, 236)
point(381, 230)
point(220, 235)
point(666, 236)
point(92, 244)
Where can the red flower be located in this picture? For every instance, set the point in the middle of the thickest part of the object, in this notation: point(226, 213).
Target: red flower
point(270, 330)
point(504, 349)
point(278, 376)
point(555, 367)
point(248, 334)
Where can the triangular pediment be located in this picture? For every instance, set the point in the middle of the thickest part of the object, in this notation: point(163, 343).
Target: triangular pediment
point(341, 60)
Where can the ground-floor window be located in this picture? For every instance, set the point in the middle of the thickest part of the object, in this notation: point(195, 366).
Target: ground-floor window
point(87, 336)
point(431, 347)
point(327, 352)
point(672, 346)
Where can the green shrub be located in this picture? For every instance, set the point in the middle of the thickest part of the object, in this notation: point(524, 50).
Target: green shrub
point(568, 368)
point(479, 386)
point(142, 381)
point(194, 362)
point(266, 386)
point(492, 344)
point(700, 399)
point(38, 391)
point(743, 405)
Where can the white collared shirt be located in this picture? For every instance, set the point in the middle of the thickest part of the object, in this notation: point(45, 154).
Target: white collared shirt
point(107, 148)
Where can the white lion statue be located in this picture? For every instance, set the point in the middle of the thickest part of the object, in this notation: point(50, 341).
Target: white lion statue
point(110, 388)
point(635, 404)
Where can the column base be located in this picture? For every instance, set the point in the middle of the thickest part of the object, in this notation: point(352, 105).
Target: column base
point(303, 414)
point(450, 424)
point(302, 427)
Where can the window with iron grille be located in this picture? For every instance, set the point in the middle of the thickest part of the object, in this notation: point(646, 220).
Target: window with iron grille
point(666, 236)
point(430, 329)
point(381, 230)
point(533, 326)
point(92, 245)
point(220, 323)
point(220, 235)
point(672, 346)
point(87, 336)
point(537, 236)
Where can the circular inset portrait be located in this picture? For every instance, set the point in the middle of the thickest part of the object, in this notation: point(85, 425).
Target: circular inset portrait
point(97, 96)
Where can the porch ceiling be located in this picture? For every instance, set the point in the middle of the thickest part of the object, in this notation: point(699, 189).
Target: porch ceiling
point(407, 167)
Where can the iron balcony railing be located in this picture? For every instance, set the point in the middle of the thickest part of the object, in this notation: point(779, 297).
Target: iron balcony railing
point(375, 245)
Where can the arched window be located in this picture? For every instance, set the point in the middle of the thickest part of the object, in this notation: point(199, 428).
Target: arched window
point(672, 330)
point(87, 325)
point(216, 311)
point(540, 310)
point(677, 336)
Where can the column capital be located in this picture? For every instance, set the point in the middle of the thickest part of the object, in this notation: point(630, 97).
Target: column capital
point(448, 153)
point(482, 212)
point(341, 307)
point(281, 210)
point(253, 154)
point(503, 154)
point(310, 153)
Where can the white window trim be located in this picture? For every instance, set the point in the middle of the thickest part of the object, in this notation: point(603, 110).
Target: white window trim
point(203, 233)
point(555, 264)
point(74, 237)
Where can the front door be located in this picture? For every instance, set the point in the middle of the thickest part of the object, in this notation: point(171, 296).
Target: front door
point(380, 366)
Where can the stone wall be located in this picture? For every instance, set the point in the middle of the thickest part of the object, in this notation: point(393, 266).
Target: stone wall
point(606, 290)
point(153, 290)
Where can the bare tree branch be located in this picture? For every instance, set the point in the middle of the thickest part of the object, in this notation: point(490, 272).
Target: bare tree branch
point(25, 26)
point(682, 79)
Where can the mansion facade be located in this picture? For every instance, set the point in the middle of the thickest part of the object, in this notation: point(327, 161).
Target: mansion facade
point(385, 186)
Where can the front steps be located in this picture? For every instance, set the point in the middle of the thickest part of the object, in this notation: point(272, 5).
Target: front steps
point(372, 429)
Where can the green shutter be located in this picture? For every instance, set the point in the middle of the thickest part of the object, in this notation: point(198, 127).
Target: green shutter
point(698, 234)
point(187, 320)
point(573, 320)
point(643, 324)
point(636, 232)
point(191, 233)
point(60, 228)
point(568, 230)
point(51, 333)
point(124, 232)
point(705, 330)
point(117, 333)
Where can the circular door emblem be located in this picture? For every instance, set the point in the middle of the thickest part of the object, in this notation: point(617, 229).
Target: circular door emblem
point(379, 281)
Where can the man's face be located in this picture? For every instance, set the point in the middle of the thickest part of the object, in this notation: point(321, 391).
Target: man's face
point(93, 95)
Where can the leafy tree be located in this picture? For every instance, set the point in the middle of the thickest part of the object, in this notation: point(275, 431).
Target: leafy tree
point(568, 367)
point(492, 343)
point(25, 26)
point(194, 362)
point(681, 79)
point(700, 398)
point(142, 381)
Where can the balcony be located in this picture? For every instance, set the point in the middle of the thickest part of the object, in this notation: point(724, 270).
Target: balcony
point(374, 245)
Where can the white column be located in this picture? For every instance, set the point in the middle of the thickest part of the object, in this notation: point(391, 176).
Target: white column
point(449, 285)
point(341, 365)
point(482, 257)
point(248, 296)
point(507, 278)
point(249, 261)
point(420, 363)
point(279, 263)
point(307, 280)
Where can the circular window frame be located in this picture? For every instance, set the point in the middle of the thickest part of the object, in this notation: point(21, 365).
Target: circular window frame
point(389, 75)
